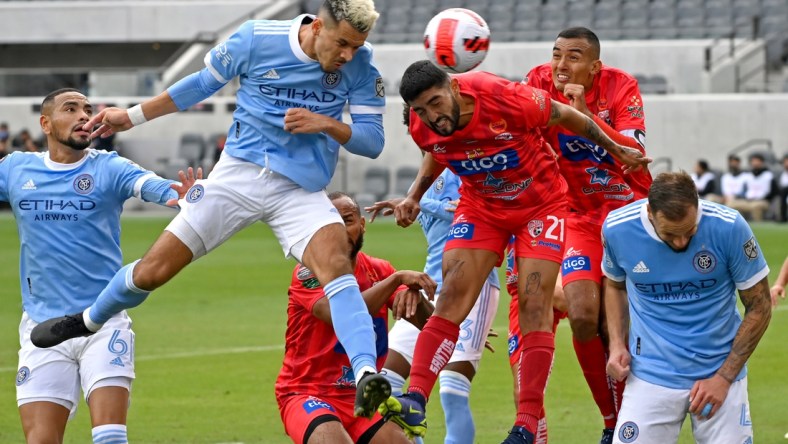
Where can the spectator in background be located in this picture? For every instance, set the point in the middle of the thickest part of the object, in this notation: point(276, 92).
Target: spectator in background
point(704, 182)
point(758, 189)
point(24, 142)
point(218, 147)
point(3, 139)
point(732, 182)
point(782, 185)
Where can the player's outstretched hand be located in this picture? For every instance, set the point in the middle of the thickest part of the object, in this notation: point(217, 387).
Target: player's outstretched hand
point(406, 212)
point(633, 160)
point(405, 304)
point(384, 208)
point(416, 280)
point(487, 344)
point(112, 120)
point(711, 391)
point(777, 291)
point(187, 180)
point(618, 363)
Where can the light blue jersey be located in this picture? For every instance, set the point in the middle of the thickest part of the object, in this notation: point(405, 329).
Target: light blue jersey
point(436, 222)
point(682, 306)
point(68, 218)
point(276, 75)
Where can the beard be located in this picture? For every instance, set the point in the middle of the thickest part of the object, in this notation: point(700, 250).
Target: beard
point(74, 144)
point(453, 120)
point(356, 247)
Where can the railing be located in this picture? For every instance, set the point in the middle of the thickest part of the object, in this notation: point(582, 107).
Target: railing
point(767, 144)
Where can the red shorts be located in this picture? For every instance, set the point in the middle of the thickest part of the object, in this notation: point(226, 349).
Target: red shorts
point(583, 255)
point(515, 334)
point(302, 413)
point(539, 232)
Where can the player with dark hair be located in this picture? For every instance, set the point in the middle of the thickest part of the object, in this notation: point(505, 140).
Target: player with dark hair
point(577, 77)
point(315, 388)
point(488, 131)
point(67, 204)
point(675, 331)
point(296, 77)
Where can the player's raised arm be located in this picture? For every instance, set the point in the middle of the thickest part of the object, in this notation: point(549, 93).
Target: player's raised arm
point(583, 125)
point(407, 211)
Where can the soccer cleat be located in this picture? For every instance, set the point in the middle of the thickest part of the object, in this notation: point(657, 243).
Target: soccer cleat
point(519, 435)
point(56, 330)
point(407, 412)
point(607, 436)
point(371, 391)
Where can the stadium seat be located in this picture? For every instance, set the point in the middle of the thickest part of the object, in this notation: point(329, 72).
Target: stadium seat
point(404, 179)
point(376, 182)
point(191, 149)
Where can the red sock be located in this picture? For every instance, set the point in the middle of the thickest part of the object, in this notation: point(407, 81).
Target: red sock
point(618, 392)
point(536, 361)
point(593, 360)
point(434, 347)
point(541, 429)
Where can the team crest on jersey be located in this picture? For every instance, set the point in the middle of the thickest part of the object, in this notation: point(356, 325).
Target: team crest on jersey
point(307, 278)
point(704, 262)
point(498, 126)
point(331, 79)
point(348, 379)
point(380, 88)
point(535, 227)
point(750, 249)
point(83, 184)
point(439, 183)
point(628, 432)
point(22, 375)
point(604, 115)
point(195, 194)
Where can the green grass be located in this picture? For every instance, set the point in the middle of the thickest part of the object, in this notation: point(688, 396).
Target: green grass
point(209, 347)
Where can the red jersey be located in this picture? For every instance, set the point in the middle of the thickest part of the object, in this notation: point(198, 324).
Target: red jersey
point(500, 155)
point(596, 183)
point(315, 362)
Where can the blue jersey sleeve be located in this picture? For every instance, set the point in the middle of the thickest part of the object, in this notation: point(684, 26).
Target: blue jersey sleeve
point(367, 96)
point(232, 57)
point(746, 263)
point(445, 189)
point(610, 266)
point(5, 168)
point(128, 176)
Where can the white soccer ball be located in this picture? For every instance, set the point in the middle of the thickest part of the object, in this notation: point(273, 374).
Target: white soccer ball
point(457, 40)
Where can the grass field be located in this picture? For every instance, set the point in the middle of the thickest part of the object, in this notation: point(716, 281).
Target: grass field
point(209, 347)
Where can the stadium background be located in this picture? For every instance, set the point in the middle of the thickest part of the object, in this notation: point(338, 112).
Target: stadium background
point(714, 78)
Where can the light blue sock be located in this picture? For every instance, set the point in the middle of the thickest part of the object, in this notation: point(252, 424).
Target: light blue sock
point(455, 389)
point(352, 323)
point(396, 381)
point(118, 295)
point(110, 434)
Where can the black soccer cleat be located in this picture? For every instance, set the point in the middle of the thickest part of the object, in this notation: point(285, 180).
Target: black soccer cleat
point(519, 435)
point(372, 389)
point(56, 330)
point(607, 436)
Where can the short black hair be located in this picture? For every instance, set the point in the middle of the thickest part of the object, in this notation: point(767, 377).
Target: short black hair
point(672, 194)
point(406, 116)
point(51, 96)
point(419, 77)
point(734, 157)
point(334, 195)
point(759, 156)
point(580, 32)
point(703, 164)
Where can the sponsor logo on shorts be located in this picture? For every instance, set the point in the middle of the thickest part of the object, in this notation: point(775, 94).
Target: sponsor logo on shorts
point(117, 362)
point(514, 344)
point(550, 245)
point(750, 249)
point(312, 404)
point(195, 193)
point(628, 432)
point(83, 184)
point(704, 262)
point(461, 231)
point(576, 263)
point(22, 375)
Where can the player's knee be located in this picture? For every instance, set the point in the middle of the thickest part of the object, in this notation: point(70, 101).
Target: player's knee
point(584, 323)
point(44, 435)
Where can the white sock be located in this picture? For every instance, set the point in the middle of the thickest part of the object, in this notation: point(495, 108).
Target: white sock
point(92, 326)
point(110, 434)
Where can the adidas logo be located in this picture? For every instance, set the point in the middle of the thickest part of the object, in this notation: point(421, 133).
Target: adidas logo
point(29, 185)
point(271, 74)
point(640, 268)
point(117, 362)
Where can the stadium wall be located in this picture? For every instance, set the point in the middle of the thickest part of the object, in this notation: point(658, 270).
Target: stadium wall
point(682, 128)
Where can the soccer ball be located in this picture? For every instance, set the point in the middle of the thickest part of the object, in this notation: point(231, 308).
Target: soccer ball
point(457, 39)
